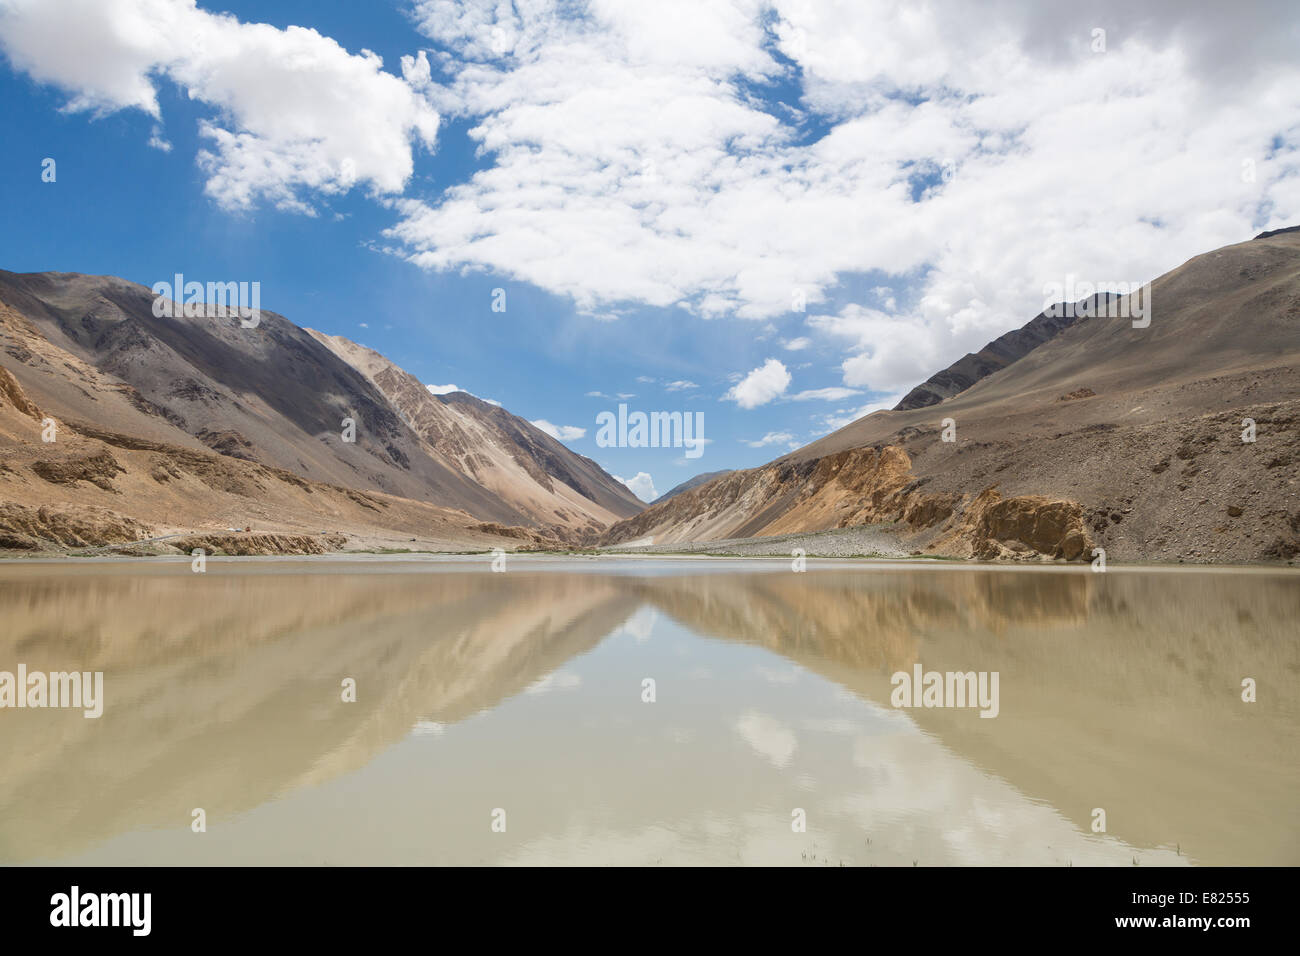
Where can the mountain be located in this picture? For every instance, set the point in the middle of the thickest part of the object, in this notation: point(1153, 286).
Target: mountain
point(690, 483)
point(1103, 436)
point(998, 354)
point(89, 353)
point(511, 457)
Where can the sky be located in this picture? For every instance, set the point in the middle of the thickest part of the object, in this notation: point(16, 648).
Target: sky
point(781, 214)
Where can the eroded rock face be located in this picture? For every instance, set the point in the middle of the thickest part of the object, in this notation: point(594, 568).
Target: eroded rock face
point(865, 486)
point(995, 527)
point(30, 528)
point(270, 543)
point(98, 468)
point(546, 538)
point(12, 393)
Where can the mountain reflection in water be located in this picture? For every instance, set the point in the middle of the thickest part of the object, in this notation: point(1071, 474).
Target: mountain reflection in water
point(523, 691)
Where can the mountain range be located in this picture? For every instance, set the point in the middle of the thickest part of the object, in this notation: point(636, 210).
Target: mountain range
point(196, 423)
point(1082, 433)
point(1177, 441)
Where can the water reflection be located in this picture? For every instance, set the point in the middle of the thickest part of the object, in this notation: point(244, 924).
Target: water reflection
point(523, 691)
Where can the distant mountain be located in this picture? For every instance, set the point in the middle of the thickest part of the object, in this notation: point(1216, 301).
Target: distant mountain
point(1104, 435)
point(690, 483)
point(998, 354)
point(89, 352)
point(1277, 232)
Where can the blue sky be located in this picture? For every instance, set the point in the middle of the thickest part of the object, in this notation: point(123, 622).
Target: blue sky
point(653, 188)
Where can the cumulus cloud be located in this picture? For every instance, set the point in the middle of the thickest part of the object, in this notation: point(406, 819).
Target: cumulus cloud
point(294, 112)
point(960, 156)
point(641, 485)
point(768, 381)
point(886, 351)
point(560, 432)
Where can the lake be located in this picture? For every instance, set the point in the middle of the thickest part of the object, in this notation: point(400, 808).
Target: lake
point(666, 712)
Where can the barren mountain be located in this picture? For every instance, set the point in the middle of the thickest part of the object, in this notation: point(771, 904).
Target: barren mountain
point(512, 458)
point(1106, 435)
point(998, 354)
point(690, 483)
point(130, 392)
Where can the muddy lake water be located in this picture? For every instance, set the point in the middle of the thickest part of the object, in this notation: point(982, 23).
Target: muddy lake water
point(411, 710)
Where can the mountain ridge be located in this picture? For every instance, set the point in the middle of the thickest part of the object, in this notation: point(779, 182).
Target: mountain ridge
point(89, 350)
point(1104, 436)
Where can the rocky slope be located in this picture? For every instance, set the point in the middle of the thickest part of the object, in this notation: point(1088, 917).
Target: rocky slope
point(92, 487)
point(690, 483)
point(998, 354)
point(154, 416)
point(513, 459)
point(1127, 439)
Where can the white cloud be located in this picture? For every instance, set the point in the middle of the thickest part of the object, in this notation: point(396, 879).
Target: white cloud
point(833, 394)
point(768, 381)
point(959, 157)
point(886, 350)
point(294, 112)
point(797, 344)
point(158, 141)
point(560, 432)
point(773, 438)
point(962, 148)
point(679, 386)
point(641, 485)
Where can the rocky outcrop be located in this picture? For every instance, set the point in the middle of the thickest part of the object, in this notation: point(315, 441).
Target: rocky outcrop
point(547, 538)
point(859, 487)
point(993, 527)
point(99, 468)
point(260, 543)
point(30, 529)
point(12, 394)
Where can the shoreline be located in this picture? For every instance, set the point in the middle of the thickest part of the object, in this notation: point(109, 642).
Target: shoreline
point(587, 561)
